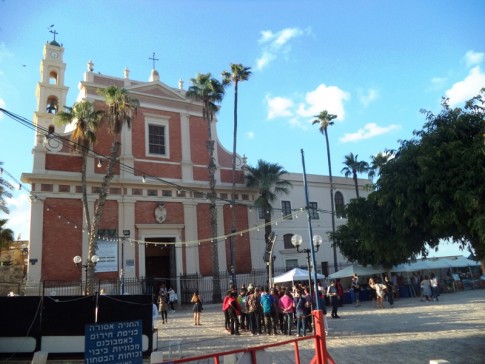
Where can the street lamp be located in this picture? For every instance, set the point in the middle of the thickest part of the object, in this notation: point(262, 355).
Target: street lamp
point(77, 260)
point(297, 240)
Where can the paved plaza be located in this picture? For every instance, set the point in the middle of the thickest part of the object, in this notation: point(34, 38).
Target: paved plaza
point(452, 329)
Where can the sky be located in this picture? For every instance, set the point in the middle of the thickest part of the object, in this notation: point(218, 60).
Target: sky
point(374, 64)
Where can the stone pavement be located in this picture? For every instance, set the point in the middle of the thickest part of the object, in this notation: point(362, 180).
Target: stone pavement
point(452, 329)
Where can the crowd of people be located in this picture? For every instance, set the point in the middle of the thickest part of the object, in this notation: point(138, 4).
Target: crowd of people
point(279, 310)
point(286, 310)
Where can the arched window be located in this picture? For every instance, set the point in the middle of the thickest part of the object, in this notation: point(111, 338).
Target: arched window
point(53, 78)
point(52, 105)
point(339, 204)
point(287, 241)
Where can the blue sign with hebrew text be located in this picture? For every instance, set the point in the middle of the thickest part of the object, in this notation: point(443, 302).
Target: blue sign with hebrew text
point(114, 342)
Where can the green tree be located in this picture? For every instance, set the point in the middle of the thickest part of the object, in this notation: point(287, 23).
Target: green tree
point(268, 179)
point(86, 122)
point(6, 235)
point(352, 167)
point(370, 238)
point(120, 110)
point(324, 119)
point(210, 93)
point(239, 73)
point(432, 189)
point(5, 188)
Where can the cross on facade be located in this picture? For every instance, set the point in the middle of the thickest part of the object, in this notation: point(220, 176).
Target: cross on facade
point(53, 31)
point(153, 59)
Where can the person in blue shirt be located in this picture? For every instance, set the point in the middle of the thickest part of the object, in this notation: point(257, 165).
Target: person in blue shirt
point(300, 304)
point(267, 303)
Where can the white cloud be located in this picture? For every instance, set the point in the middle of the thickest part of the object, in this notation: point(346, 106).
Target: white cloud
point(370, 130)
point(466, 89)
point(473, 58)
point(279, 107)
point(275, 44)
point(265, 58)
point(369, 96)
point(19, 217)
point(250, 134)
point(330, 98)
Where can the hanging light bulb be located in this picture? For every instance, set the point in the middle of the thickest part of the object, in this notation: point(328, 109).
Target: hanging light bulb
point(99, 163)
point(143, 179)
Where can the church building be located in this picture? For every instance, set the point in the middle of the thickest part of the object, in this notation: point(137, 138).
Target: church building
point(156, 219)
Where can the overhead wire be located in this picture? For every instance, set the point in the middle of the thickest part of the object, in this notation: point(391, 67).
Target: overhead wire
point(91, 153)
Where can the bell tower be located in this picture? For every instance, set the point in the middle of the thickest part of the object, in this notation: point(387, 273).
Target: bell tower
point(51, 98)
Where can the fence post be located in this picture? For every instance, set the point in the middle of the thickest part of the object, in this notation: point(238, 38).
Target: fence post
point(321, 354)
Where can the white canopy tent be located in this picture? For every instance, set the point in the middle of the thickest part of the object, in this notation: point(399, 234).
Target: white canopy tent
point(358, 269)
point(296, 274)
point(436, 263)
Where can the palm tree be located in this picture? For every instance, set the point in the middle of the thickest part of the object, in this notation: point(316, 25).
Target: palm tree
point(5, 186)
point(238, 73)
point(324, 119)
point(267, 178)
point(86, 122)
point(121, 109)
point(6, 235)
point(210, 92)
point(354, 166)
point(377, 161)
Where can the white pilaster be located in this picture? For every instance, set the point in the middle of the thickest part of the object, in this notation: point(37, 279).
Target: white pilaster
point(35, 252)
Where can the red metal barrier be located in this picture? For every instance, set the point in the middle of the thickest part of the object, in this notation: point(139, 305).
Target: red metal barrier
point(321, 354)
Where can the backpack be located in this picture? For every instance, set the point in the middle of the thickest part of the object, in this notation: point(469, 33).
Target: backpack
point(301, 303)
point(267, 303)
point(251, 303)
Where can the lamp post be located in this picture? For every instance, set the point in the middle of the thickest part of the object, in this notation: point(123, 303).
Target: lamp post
point(77, 260)
point(297, 240)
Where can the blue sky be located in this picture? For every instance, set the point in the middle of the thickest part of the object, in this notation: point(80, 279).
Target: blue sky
point(375, 64)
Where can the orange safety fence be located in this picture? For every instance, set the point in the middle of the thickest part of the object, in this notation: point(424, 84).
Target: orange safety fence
point(321, 354)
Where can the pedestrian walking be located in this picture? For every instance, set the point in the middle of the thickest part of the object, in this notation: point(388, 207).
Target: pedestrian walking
point(197, 308)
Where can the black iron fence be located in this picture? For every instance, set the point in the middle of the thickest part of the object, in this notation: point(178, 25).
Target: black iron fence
point(185, 285)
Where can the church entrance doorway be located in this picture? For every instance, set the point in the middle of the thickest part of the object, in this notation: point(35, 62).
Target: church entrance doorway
point(160, 258)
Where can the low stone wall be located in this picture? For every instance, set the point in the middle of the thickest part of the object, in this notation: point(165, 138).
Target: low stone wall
point(11, 278)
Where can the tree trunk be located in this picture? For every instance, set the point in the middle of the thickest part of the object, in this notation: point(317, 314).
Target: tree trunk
point(354, 174)
point(332, 204)
point(98, 212)
point(216, 293)
point(233, 210)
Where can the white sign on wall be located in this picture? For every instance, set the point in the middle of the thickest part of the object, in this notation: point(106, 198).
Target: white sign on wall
point(108, 256)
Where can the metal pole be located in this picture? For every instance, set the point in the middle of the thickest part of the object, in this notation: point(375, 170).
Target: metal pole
point(312, 249)
point(307, 251)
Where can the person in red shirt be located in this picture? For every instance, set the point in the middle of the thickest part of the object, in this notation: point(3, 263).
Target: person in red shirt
point(234, 310)
point(340, 292)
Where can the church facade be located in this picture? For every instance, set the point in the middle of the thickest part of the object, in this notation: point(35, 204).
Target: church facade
point(156, 218)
